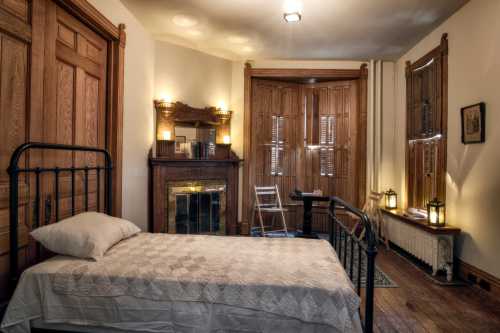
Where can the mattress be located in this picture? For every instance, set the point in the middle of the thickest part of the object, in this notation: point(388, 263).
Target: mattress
point(191, 283)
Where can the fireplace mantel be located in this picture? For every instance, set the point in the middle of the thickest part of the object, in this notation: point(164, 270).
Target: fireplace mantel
point(163, 171)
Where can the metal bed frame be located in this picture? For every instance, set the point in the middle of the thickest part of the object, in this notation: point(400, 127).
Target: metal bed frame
point(340, 236)
point(14, 171)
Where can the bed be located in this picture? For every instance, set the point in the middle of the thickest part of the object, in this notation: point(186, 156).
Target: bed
point(192, 283)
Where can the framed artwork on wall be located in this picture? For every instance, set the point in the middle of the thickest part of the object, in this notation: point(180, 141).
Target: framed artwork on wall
point(473, 123)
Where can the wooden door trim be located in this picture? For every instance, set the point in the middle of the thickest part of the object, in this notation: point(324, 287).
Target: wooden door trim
point(116, 39)
point(249, 73)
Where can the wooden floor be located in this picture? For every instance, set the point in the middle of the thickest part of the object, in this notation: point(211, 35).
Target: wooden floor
point(419, 305)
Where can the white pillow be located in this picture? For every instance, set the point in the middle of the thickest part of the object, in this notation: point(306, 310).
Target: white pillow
point(86, 235)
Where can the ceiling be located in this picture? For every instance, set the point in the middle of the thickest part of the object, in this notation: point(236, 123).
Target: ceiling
point(329, 29)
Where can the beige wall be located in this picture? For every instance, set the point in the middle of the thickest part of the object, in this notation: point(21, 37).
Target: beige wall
point(138, 112)
point(190, 76)
point(473, 177)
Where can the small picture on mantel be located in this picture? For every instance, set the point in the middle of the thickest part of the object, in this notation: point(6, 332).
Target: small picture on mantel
point(473, 123)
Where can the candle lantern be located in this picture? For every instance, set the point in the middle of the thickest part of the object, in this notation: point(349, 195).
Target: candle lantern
point(436, 213)
point(391, 199)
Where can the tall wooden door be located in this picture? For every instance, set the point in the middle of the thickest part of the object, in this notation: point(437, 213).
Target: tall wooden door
point(275, 136)
point(331, 139)
point(53, 88)
point(19, 48)
point(306, 136)
point(75, 103)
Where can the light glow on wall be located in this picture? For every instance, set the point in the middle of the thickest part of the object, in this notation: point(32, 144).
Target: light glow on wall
point(167, 135)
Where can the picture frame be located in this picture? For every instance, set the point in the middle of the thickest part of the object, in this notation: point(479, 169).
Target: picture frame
point(179, 141)
point(473, 123)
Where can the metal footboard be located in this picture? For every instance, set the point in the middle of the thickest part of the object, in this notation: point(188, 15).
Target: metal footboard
point(350, 249)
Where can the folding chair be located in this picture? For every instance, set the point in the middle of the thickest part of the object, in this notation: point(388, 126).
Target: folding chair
point(268, 200)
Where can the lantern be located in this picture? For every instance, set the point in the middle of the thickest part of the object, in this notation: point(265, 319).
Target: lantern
point(435, 213)
point(391, 199)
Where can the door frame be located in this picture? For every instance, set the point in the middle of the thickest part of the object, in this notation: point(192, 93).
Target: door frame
point(360, 74)
point(116, 39)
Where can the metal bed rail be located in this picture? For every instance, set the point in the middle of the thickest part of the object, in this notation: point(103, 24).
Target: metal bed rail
point(14, 171)
point(344, 240)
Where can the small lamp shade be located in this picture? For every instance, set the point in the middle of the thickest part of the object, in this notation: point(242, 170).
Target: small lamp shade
point(226, 139)
point(391, 199)
point(436, 213)
point(167, 135)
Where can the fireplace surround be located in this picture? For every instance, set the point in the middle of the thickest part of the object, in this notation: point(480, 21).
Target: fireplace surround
point(174, 179)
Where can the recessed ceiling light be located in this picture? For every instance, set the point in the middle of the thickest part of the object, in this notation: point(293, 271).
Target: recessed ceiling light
point(184, 21)
point(237, 39)
point(292, 17)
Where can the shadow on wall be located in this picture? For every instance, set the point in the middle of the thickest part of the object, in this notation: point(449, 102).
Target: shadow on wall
point(460, 167)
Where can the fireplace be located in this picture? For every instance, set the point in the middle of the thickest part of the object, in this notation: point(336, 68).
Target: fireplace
point(194, 196)
point(196, 207)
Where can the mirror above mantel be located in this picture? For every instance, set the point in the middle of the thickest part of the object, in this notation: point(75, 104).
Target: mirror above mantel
point(186, 132)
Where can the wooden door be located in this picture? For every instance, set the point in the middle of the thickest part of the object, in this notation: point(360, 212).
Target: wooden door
point(306, 137)
point(330, 162)
point(54, 87)
point(75, 104)
point(275, 136)
point(19, 48)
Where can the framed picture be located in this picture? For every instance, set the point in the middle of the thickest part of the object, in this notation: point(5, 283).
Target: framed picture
point(473, 123)
point(179, 144)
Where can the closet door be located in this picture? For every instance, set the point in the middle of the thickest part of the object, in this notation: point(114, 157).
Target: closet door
point(332, 118)
point(21, 56)
point(275, 136)
point(75, 105)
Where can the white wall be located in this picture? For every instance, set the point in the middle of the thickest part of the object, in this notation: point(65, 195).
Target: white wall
point(138, 110)
point(473, 177)
point(190, 76)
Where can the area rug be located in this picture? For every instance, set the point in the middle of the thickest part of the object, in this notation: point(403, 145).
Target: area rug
point(382, 280)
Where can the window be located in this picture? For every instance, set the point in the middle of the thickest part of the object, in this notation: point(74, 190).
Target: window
point(277, 141)
point(426, 100)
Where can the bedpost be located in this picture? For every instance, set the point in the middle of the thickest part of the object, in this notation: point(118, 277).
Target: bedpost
point(369, 246)
point(371, 252)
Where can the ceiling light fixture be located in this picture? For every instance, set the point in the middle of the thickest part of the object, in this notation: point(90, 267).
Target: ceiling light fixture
point(292, 17)
point(292, 10)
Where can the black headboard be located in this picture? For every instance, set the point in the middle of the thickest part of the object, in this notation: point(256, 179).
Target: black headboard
point(14, 171)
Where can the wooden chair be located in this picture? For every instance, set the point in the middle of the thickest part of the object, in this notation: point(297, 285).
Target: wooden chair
point(268, 200)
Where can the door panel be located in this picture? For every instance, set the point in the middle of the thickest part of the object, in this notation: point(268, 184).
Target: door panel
point(14, 82)
point(77, 83)
point(324, 117)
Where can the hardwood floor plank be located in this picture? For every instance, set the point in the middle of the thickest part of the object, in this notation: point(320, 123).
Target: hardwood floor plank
point(420, 305)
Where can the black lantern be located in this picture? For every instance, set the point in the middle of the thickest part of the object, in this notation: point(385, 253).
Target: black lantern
point(391, 199)
point(435, 213)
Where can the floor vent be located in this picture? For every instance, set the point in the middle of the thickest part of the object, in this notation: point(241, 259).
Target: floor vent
point(484, 285)
point(472, 278)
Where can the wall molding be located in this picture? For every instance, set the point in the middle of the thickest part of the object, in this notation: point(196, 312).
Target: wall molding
point(478, 278)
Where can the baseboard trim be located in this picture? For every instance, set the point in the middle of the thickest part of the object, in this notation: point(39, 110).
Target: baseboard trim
point(479, 278)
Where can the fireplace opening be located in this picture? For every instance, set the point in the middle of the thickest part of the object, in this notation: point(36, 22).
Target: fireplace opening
point(196, 207)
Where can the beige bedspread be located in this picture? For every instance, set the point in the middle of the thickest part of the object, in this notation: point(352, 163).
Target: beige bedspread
point(193, 276)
